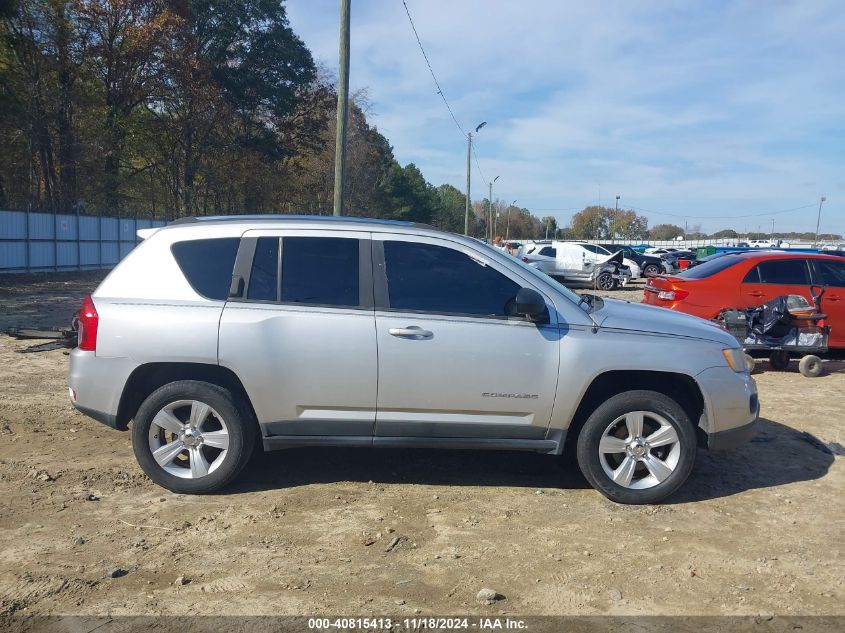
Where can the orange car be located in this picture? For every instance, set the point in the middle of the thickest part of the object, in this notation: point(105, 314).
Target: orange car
point(739, 280)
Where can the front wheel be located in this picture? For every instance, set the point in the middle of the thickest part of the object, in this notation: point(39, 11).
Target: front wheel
point(637, 447)
point(192, 437)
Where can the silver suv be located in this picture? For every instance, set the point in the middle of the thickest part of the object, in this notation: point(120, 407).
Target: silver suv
point(216, 332)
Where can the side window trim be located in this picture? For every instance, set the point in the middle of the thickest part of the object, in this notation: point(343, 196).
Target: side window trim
point(243, 269)
point(752, 276)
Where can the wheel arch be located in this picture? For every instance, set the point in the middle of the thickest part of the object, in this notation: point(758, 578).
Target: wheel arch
point(682, 388)
point(145, 379)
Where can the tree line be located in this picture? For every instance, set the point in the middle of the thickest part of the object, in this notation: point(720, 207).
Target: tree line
point(170, 108)
point(603, 223)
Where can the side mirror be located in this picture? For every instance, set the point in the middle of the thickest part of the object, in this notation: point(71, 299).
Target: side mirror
point(530, 303)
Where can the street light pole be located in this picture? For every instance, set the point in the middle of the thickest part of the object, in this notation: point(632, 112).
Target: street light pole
point(342, 108)
point(508, 229)
point(469, 172)
point(469, 176)
point(613, 224)
point(819, 219)
point(492, 218)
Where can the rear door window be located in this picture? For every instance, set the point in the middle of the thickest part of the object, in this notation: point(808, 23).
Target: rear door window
point(320, 271)
point(791, 272)
point(548, 251)
point(208, 264)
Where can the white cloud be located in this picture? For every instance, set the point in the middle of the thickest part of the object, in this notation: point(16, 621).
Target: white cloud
point(698, 108)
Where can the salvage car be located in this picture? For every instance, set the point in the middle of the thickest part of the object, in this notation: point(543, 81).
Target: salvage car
point(214, 333)
point(650, 265)
point(577, 264)
point(751, 278)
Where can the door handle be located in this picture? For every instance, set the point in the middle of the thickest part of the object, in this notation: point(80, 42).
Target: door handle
point(833, 298)
point(756, 293)
point(412, 331)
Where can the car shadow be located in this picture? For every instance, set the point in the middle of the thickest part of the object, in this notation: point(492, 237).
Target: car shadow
point(778, 455)
point(832, 365)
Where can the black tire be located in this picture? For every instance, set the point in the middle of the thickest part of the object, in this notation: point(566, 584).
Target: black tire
point(779, 359)
point(594, 429)
point(605, 281)
point(651, 270)
point(239, 423)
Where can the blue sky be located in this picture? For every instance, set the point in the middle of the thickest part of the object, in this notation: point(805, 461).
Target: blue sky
point(687, 110)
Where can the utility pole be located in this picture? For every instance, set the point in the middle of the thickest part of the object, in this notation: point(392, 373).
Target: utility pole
point(342, 108)
point(819, 219)
point(469, 171)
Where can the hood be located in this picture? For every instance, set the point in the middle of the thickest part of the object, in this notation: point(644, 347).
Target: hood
point(615, 257)
point(638, 317)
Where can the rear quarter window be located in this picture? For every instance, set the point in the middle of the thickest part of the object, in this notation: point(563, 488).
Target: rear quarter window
point(207, 264)
point(708, 269)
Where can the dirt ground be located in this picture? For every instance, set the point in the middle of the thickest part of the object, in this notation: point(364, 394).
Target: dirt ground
point(758, 530)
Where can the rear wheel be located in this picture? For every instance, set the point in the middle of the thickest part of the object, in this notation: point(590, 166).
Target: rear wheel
point(605, 281)
point(192, 437)
point(637, 447)
point(651, 270)
point(779, 359)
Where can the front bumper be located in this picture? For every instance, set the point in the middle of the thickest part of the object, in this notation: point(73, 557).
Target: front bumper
point(732, 406)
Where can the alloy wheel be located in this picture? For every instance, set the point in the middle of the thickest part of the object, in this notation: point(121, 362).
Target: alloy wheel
point(188, 439)
point(639, 450)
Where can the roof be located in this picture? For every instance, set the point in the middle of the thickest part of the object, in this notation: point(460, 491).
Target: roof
point(772, 254)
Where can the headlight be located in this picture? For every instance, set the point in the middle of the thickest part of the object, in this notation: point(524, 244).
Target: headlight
point(735, 359)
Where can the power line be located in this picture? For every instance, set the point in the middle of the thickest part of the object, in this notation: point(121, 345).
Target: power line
point(478, 165)
point(431, 70)
point(440, 90)
point(765, 214)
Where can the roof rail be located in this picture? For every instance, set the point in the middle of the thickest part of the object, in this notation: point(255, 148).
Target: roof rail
point(320, 218)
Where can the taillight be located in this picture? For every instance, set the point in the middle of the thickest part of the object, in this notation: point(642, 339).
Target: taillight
point(672, 295)
point(525, 259)
point(88, 322)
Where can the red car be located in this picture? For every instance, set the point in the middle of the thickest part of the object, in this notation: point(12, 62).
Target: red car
point(739, 280)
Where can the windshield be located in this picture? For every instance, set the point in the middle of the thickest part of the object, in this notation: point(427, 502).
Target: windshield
point(710, 268)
